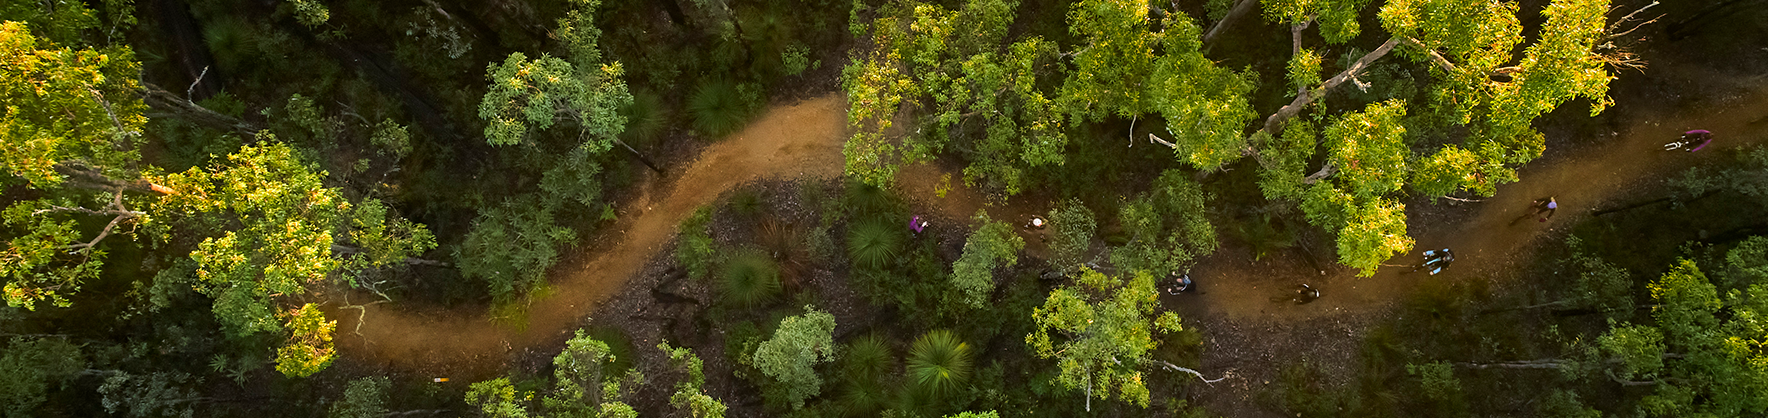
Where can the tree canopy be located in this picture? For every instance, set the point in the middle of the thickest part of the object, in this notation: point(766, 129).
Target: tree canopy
point(1101, 331)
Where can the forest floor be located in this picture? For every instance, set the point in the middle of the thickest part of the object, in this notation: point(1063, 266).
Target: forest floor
point(1250, 329)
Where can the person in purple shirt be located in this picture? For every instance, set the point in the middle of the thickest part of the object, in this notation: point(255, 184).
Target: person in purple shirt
point(1540, 206)
point(1699, 135)
point(917, 224)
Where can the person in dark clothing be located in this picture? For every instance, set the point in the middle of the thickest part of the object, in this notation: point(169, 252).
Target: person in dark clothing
point(1436, 260)
point(1693, 140)
point(1179, 284)
point(1305, 294)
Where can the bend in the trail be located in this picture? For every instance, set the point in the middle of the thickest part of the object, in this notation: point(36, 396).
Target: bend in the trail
point(1484, 238)
point(800, 140)
point(805, 140)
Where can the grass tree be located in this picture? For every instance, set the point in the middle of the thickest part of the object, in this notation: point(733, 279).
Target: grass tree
point(790, 357)
point(872, 243)
point(939, 362)
point(867, 368)
point(751, 279)
point(1101, 332)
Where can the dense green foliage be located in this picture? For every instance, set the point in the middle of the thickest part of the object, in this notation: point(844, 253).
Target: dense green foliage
point(797, 346)
point(1100, 331)
point(992, 245)
point(208, 205)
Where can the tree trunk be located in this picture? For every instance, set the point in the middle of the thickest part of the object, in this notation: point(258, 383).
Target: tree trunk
point(1543, 364)
point(641, 157)
point(1274, 124)
point(1240, 9)
point(164, 101)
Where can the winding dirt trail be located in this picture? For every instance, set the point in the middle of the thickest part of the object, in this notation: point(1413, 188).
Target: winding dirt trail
point(1482, 234)
point(804, 139)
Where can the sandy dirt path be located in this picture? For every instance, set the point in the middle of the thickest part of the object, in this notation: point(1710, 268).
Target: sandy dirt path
point(799, 140)
point(805, 139)
point(1482, 234)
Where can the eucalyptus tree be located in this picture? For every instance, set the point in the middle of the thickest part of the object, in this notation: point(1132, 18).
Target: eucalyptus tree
point(261, 227)
point(790, 357)
point(524, 98)
point(976, 94)
point(1134, 59)
point(1101, 332)
point(993, 245)
point(1703, 355)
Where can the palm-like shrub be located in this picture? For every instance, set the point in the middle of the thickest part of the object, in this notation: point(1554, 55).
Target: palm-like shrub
point(939, 362)
point(867, 199)
point(865, 364)
point(645, 117)
point(718, 108)
point(750, 279)
point(874, 242)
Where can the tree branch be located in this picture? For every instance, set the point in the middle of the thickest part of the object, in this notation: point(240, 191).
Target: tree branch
point(1434, 56)
point(1326, 170)
point(183, 108)
point(1175, 367)
point(1274, 124)
point(1524, 364)
point(114, 208)
point(1240, 9)
point(1629, 18)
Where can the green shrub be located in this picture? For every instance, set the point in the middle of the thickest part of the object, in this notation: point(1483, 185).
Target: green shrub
point(646, 117)
point(790, 356)
point(719, 108)
point(746, 202)
point(750, 279)
point(1074, 227)
point(939, 362)
point(693, 250)
point(872, 243)
point(867, 199)
point(865, 365)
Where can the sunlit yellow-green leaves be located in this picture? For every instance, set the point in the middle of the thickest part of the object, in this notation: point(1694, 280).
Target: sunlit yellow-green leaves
point(309, 348)
point(1100, 331)
point(1205, 106)
point(59, 104)
point(1118, 55)
point(1369, 149)
point(283, 242)
point(978, 94)
point(1373, 232)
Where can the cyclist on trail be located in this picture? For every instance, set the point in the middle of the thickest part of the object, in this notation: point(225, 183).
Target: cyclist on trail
point(1180, 284)
point(1697, 135)
point(1436, 261)
point(1305, 294)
